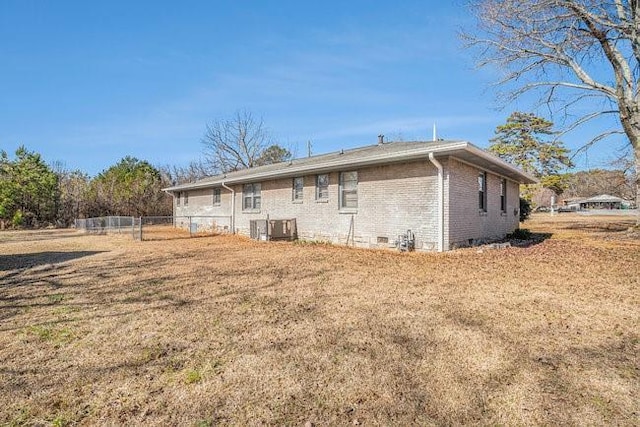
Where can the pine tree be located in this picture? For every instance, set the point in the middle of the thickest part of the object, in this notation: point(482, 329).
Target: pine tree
point(526, 140)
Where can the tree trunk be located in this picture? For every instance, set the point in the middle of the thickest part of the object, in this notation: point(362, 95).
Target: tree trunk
point(636, 152)
point(630, 120)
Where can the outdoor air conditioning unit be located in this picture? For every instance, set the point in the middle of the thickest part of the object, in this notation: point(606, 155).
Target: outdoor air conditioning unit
point(282, 229)
point(273, 229)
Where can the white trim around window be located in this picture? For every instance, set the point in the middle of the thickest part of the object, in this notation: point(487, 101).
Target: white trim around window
point(251, 197)
point(482, 192)
point(503, 195)
point(322, 187)
point(348, 190)
point(297, 192)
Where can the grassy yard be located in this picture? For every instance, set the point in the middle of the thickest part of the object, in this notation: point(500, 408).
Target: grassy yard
point(223, 330)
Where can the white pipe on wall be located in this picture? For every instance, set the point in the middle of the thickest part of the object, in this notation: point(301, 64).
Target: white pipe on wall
point(438, 165)
point(233, 207)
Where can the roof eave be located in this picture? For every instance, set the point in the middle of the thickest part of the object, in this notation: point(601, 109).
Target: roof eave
point(415, 154)
point(329, 166)
point(526, 178)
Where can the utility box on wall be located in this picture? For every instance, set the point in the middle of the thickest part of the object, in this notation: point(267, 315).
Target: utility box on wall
point(258, 229)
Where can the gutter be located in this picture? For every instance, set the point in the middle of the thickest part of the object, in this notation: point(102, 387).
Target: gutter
point(438, 165)
point(233, 207)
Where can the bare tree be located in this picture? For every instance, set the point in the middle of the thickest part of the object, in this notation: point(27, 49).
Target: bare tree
point(175, 175)
point(236, 143)
point(571, 53)
point(73, 189)
point(624, 163)
point(598, 181)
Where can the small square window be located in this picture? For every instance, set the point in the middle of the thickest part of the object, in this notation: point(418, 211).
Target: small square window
point(178, 194)
point(216, 197)
point(186, 198)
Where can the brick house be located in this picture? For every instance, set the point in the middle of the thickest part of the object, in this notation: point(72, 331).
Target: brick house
point(448, 193)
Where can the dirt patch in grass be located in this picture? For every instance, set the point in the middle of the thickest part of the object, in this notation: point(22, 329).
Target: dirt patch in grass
point(223, 330)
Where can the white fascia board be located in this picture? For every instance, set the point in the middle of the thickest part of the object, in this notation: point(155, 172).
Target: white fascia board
point(505, 165)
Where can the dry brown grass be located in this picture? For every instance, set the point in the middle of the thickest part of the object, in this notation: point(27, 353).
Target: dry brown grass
point(223, 330)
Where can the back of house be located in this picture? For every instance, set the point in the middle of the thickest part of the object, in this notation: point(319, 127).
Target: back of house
point(440, 195)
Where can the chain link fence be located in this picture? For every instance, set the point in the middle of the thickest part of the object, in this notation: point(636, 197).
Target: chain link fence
point(176, 227)
point(157, 227)
point(106, 224)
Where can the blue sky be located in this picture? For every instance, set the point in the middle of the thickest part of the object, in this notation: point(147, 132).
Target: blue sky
point(87, 83)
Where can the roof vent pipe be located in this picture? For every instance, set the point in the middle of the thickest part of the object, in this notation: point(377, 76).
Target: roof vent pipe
point(380, 139)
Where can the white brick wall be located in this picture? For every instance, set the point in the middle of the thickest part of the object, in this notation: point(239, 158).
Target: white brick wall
point(391, 200)
point(201, 203)
point(465, 220)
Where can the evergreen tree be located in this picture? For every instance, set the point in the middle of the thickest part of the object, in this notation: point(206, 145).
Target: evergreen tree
point(8, 190)
point(29, 190)
point(130, 187)
point(273, 154)
point(526, 140)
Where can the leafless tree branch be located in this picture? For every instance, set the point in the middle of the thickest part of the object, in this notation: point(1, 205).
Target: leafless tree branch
point(236, 143)
point(566, 51)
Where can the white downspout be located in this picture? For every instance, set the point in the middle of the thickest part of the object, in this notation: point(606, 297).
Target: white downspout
point(438, 165)
point(233, 207)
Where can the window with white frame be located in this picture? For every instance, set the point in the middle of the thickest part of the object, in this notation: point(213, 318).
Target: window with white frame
point(216, 197)
point(186, 198)
point(348, 190)
point(178, 194)
point(251, 197)
point(298, 187)
point(482, 191)
point(322, 187)
point(503, 195)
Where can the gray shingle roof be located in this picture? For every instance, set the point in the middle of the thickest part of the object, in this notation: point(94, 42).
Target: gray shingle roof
point(378, 154)
point(603, 198)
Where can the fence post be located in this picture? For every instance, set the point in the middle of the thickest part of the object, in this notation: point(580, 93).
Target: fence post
point(141, 229)
point(190, 235)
